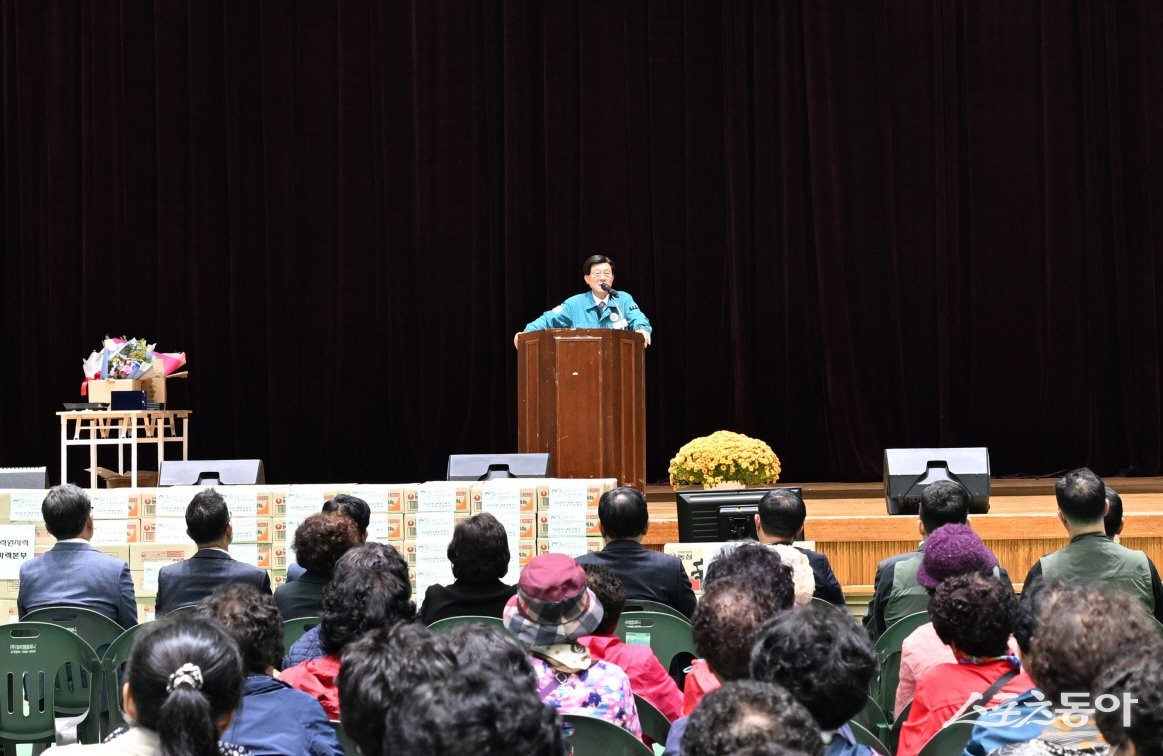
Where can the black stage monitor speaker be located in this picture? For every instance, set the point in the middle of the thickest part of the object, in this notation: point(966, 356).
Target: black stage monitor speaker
point(490, 466)
point(23, 477)
point(720, 515)
point(211, 472)
point(908, 472)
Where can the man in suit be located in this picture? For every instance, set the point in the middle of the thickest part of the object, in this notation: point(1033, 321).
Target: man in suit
point(73, 573)
point(644, 573)
point(188, 582)
point(781, 520)
point(352, 506)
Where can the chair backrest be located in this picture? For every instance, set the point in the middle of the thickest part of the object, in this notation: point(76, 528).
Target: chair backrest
point(645, 605)
point(446, 624)
point(865, 737)
point(590, 736)
point(349, 746)
point(31, 655)
point(893, 736)
point(667, 635)
point(187, 609)
point(821, 603)
point(654, 722)
point(888, 649)
point(93, 627)
point(871, 716)
point(951, 738)
point(293, 629)
point(111, 667)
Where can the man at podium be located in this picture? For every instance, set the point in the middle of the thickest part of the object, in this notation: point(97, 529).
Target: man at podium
point(601, 307)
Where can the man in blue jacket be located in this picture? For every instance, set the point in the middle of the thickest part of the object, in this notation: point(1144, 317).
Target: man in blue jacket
point(601, 307)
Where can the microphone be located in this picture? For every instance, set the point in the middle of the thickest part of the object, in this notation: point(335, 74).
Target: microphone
point(610, 290)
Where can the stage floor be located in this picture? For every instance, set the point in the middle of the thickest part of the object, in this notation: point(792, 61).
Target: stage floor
point(848, 522)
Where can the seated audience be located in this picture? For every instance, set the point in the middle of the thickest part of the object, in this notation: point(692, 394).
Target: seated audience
point(184, 682)
point(1083, 630)
point(190, 581)
point(896, 592)
point(781, 521)
point(951, 550)
point(479, 552)
point(478, 643)
point(475, 710)
point(645, 574)
point(1024, 717)
point(377, 557)
point(1091, 558)
point(95, 581)
point(826, 661)
point(974, 615)
point(1136, 679)
point(648, 679)
point(749, 714)
point(552, 609)
point(724, 630)
point(381, 670)
point(319, 542)
point(356, 509)
point(803, 581)
point(274, 718)
point(1112, 521)
point(367, 592)
point(753, 563)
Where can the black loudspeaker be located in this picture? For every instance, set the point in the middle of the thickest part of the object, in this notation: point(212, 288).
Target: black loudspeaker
point(23, 477)
point(490, 466)
point(211, 472)
point(907, 472)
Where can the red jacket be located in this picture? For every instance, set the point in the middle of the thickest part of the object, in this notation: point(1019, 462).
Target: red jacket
point(699, 682)
point(647, 677)
point(943, 691)
point(316, 677)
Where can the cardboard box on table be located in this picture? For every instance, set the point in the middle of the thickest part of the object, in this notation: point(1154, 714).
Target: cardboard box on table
point(100, 391)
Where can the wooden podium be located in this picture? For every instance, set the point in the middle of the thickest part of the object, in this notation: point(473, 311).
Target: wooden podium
point(580, 397)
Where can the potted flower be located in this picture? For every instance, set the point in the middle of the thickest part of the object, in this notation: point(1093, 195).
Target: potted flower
point(724, 460)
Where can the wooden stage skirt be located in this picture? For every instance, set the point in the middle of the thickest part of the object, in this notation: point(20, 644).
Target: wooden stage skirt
point(849, 523)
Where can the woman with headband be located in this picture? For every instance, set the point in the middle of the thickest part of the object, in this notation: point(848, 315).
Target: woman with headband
point(184, 681)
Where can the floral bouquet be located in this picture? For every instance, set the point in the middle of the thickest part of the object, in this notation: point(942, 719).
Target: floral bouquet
point(723, 457)
point(130, 359)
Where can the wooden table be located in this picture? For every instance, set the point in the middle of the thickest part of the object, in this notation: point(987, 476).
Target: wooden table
point(94, 428)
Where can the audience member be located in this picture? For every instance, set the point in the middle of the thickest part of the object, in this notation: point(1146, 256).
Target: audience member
point(974, 615)
point(367, 592)
point(645, 574)
point(762, 568)
point(748, 714)
point(1024, 717)
point(724, 630)
point(826, 661)
point(274, 719)
point(355, 508)
point(94, 580)
point(318, 544)
point(952, 550)
point(479, 552)
point(382, 669)
point(475, 710)
point(184, 681)
point(1083, 630)
point(478, 643)
point(803, 581)
point(781, 520)
point(1131, 719)
point(648, 679)
point(190, 581)
point(1112, 521)
point(552, 609)
point(1091, 558)
point(896, 592)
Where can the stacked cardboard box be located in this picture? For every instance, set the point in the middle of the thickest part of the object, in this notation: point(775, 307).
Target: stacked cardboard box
point(567, 515)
